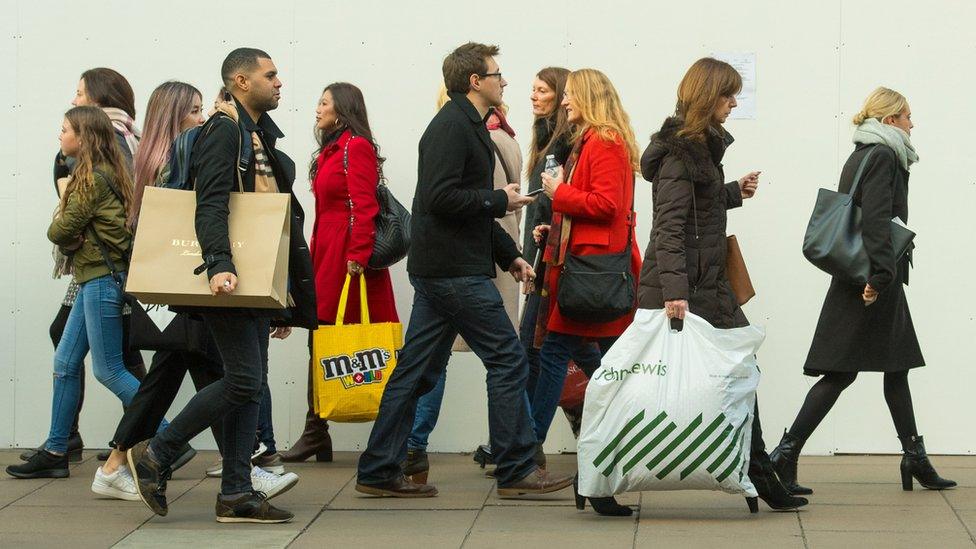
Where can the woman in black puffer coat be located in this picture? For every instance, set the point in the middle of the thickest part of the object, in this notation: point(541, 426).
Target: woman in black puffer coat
point(684, 264)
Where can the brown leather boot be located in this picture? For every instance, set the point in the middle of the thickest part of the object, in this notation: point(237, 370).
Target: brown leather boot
point(315, 441)
point(539, 481)
point(399, 488)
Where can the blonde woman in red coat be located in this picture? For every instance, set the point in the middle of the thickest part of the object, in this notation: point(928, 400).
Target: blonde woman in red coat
point(593, 214)
point(344, 176)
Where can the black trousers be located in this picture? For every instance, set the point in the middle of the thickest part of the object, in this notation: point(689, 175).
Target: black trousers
point(132, 357)
point(158, 391)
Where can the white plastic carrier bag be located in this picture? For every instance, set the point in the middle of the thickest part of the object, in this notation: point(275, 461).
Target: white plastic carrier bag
point(671, 410)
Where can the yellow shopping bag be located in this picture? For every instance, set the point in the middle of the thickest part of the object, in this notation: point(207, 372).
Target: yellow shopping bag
point(353, 363)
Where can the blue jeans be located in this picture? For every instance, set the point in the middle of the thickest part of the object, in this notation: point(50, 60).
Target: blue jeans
point(557, 350)
point(587, 357)
point(242, 340)
point(443, 308)
point(428, 410)
point(94, 325)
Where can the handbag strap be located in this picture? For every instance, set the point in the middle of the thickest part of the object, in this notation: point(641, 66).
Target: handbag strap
point(508, 173)
point(859, 173)
point(344, 299)
point(102, 248)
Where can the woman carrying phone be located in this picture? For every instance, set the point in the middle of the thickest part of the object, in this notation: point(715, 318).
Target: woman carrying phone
point(684, 264)
point(869, 328)
point(593, 214)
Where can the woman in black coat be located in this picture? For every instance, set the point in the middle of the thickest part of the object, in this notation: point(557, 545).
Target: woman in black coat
point(684, 264)
point(869, 329)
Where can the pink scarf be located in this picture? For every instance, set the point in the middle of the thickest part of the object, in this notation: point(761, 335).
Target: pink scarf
point(126, 125)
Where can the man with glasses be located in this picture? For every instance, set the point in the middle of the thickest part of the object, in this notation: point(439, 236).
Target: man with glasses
point(455, 241)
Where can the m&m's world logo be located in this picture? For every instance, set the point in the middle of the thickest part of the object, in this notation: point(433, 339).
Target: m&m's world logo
point(361, 368)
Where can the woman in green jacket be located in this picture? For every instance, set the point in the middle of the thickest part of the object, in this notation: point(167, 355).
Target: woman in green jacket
point(91, 225)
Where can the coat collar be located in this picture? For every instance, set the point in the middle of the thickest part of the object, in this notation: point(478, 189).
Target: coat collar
point(462, 102)
point(265, 126)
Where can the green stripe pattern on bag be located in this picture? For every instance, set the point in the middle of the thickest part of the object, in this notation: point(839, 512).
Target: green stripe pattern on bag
point(698, 444)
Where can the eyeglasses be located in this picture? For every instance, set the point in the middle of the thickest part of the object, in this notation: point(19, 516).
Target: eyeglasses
point(487, 74)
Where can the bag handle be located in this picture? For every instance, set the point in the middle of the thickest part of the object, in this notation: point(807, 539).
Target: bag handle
point(859, 173)
point(505, 168)
point(344, 299)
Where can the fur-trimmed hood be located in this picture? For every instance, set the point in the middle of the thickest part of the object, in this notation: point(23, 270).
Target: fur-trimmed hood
point(700, 159)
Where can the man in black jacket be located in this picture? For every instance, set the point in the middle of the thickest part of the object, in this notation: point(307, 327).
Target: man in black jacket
point(241, 335)
point(455, 240)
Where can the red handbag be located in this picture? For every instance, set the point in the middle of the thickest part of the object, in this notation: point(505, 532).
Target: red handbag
point(574, 389)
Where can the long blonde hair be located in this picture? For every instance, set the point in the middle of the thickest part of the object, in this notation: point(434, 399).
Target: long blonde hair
point(98, 147)
point(881, 104)
point(707, 81)
point(599, 106)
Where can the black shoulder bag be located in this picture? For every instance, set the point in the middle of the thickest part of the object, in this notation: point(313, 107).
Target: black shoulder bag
point(598, 288)
point(834, 242)
point(392, 224)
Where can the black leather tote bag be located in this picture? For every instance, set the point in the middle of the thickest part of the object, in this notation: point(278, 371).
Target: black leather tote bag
point(833, 241)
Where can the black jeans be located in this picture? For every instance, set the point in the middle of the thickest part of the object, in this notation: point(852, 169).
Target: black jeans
point(243, 344)
point(160, 387)
point(442, 309)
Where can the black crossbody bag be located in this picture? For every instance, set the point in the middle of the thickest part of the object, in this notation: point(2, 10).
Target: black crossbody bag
point(598, 288)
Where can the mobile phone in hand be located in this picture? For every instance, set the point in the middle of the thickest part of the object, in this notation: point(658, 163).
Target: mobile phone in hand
point(533, 193)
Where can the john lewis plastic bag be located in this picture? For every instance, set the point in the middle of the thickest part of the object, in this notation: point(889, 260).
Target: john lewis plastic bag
point(671, 410)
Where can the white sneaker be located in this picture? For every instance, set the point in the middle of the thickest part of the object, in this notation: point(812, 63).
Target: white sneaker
point(271, 484)
point(119, 484)
point(217, 469)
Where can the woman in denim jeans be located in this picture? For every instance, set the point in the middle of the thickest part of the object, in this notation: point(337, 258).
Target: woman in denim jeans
point(92, 218)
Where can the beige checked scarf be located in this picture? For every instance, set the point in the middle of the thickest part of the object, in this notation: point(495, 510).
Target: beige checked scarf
point(264, 179)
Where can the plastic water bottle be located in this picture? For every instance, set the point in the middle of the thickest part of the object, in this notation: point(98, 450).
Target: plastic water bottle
point(552, 167)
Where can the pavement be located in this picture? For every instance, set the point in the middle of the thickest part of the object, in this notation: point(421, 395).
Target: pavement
point(858, 502)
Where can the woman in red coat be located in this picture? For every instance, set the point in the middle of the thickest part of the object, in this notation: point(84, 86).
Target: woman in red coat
point(593, 214)
point(344, 177)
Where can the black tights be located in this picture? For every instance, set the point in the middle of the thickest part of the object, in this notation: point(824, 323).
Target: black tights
point(825, 392)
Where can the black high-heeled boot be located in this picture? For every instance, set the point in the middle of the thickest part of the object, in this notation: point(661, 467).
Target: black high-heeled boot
point(770, 489)
point(604, 506)
point(915, 463)
point(784, 459)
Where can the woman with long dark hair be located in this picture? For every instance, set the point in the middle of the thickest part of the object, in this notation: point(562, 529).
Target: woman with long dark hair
point(344, 173)
point(684, 264)
point(92, 225)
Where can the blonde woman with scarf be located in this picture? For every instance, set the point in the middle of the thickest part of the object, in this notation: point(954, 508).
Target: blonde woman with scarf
point(869, 329)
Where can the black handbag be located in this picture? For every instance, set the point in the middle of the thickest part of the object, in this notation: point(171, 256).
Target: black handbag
point(598, 288)
point(392, 224)
point(834, 242)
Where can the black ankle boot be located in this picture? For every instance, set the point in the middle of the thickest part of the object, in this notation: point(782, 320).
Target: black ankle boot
point(784, 459)
point(607, 507)
point(770, 489)
point(416, 468)
point(483, 456)
point(915, 463)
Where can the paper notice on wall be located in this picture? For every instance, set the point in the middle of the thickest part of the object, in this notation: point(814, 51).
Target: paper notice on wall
point(745, 64)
